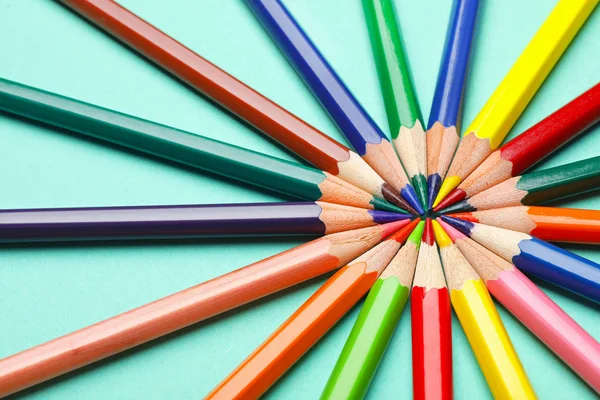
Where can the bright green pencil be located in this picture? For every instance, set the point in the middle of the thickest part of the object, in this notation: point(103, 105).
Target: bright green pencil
point(402, 107)
point(375, 325)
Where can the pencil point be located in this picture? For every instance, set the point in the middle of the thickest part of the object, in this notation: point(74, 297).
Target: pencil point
point(383, 217)
point(427, 233)
point(463, 226)
point(393, 227)
point(441, 237)
point(401, 235)
point(417, 233)
point(420, 185)
point(451, 231)
point(383, 205)
point(455, 196)
point(411, 197)
point(434, 181)
point(450, 183)
point(462, 206)
point(465, 216)
point(394, 197)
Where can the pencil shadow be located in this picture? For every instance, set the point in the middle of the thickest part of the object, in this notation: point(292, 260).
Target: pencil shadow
point(191, 89)
point(159, 341)
point(146, 243)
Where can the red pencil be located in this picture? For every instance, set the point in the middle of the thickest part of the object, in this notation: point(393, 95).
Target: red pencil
point(531, 146)
point(431, 324)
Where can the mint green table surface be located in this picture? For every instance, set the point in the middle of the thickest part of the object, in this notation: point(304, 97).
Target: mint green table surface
point(50, 290)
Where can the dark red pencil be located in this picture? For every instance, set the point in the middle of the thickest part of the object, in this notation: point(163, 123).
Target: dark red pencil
point(249, 105)
point(431, 324)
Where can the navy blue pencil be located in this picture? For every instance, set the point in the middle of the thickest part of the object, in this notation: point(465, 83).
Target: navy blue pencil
point(443, 129)
point(358, 127)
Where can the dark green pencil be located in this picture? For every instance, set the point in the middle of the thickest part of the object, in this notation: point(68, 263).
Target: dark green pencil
point(183, 147)
point(536, 187)
point(401, 105)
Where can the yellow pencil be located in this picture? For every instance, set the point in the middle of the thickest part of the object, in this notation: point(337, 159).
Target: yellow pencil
point(503, 108)
point(484, 329)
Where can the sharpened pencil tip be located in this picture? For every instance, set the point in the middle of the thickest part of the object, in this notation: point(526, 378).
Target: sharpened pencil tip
point(383, 217)
point(393, 197)
point(383, 205)
point(393, 227)
point(434, 181)
point(409, 194)
point(450, 183)
point(403, 234)
point(461, 206)
point(454, 197)
point(452, 232)
point(463, 226)
point(441, 237)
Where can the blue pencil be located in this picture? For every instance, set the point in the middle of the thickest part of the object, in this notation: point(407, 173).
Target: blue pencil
point(537, 257)
point(445, 116)
point(350, 117)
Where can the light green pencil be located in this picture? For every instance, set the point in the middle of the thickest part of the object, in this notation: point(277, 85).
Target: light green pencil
point(375, 325)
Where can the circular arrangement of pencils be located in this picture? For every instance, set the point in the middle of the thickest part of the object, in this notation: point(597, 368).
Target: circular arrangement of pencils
point(438, 220)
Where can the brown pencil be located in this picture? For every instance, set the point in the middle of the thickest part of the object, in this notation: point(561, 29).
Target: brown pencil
point(187, 307)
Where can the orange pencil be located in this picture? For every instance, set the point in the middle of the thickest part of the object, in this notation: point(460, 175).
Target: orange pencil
point(552, 224)
point(309, 323)
point(187, 307)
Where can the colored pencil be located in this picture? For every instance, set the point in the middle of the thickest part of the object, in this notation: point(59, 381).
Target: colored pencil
point(552, 224)
point(446, 110)
point(309, 323)
point(183, 147)
point(401, 104)
point(503, 108)
point(537, 257)
point(431, 325)
point(187, 307)
point(537, 187)
point(533, 308)
point(185, 221)
point(483, 327)
point(249, 105)
point(374, 325)
point(531, 146)
point(350, 117)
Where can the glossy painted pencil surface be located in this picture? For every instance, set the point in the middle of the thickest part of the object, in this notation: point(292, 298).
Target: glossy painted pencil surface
point(552, 224)
point(309, 323)
point(483, 327)
point(537, 187)
point(185, 221)
point(402, 107)
point(268, 117)
point(351, 118)
point(183, 147)
point(431, 323)
point(445, 115)
point(374, 325)
point(537, 257)
point(187, 307)
point(531, 146)
point(533, 308)
point(503, 108)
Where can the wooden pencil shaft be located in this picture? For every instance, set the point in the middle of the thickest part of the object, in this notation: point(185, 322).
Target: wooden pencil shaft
point(185, 221)
point(185, 308)
point(268, 117)
point(343, 108)
point(367, 341)
point(395, 79)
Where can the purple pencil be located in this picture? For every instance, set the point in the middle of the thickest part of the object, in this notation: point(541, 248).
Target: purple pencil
point(185, 221)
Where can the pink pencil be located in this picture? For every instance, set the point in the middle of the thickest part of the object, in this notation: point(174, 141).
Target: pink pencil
point(533, 308)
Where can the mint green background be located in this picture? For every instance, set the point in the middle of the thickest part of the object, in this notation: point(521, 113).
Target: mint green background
point(50, 290)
